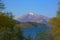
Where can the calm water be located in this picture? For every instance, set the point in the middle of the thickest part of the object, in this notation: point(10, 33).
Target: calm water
point(33, 31)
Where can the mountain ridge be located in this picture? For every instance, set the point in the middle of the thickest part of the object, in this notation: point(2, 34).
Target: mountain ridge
point(31, 17)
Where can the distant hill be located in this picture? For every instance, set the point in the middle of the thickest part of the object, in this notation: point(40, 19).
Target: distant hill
point(32, 19)
point(30, 24)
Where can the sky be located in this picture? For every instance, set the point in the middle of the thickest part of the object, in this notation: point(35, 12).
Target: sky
point(42, 7)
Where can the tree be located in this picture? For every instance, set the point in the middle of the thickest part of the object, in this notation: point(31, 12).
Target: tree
point(44, 35)
point(7, 28)
point(6, 22)
point(55, 22)
point(56, 26)
point(19, 34)
point(29, 37)
point(7, 25)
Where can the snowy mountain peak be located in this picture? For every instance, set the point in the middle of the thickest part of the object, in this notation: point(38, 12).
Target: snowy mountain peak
point(31, 13)
point(32, 17)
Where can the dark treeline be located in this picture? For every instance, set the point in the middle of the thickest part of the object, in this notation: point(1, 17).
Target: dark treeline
point(8, 31)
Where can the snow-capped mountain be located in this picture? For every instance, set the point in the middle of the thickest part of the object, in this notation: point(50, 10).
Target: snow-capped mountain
point(31, 17)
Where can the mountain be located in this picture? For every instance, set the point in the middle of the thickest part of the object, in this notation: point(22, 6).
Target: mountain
point(31, 17)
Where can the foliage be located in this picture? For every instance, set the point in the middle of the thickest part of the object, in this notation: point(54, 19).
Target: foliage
point(29, 37)
point(7, 28)
point(6, 21)
point(44, 35)
point(19, 34)
point(55, 22)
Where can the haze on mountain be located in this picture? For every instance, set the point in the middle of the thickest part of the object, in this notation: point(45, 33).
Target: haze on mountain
point(32, 17)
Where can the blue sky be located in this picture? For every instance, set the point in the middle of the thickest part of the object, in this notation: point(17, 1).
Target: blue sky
point(42, 7)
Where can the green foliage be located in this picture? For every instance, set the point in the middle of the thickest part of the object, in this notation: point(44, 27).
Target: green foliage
point(19, 34)
point(29, 37)
point(44, 35)
point(6, 21)
point(15, 34)
point(7, 28)
point(56, 26)
point(55, 21)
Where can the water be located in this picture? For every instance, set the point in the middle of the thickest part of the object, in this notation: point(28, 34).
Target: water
point(33, 31)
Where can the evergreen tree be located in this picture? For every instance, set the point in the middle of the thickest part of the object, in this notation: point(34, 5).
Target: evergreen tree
point(7, 26)
point(6, 22)
point(55, 21)
point(2, 6)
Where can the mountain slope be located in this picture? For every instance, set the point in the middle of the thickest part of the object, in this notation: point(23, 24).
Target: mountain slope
point(31, 17)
